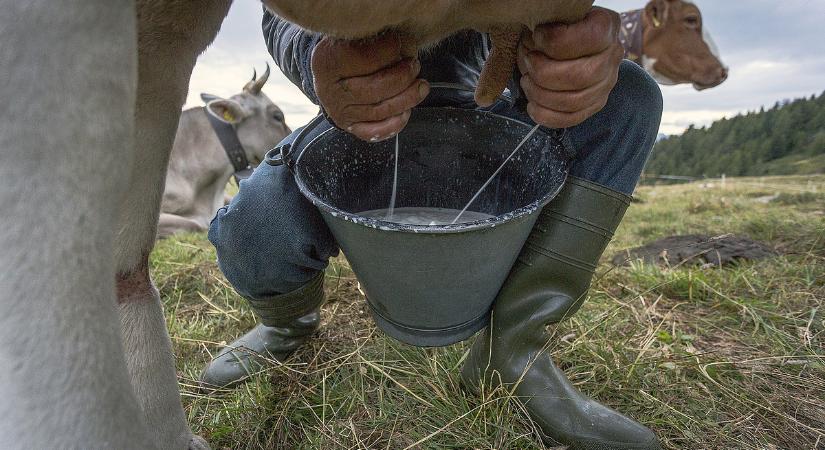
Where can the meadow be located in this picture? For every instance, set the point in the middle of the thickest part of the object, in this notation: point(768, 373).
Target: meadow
point(709, 357)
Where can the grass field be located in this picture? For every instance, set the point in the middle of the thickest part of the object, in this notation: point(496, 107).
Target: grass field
point(708, 357)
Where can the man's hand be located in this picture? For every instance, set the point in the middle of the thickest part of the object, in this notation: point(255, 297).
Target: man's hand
point(569, 70)
point(368, 87)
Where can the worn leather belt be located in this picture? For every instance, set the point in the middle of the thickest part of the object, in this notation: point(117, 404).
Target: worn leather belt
point(232, 146)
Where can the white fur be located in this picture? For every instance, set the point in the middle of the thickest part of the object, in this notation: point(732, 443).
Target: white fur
point(85, 132)
point(66, 134)
point(199, 168)
point(151, 366)
point(714, 49)
point(650, 66)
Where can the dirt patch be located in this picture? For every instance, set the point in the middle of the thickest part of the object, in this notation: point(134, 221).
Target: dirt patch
point(696, 249)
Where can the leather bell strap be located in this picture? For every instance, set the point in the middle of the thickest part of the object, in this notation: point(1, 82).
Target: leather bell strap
point(228, 137)
point(630, 35)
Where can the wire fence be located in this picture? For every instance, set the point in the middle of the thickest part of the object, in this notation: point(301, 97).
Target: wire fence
point(723, 181)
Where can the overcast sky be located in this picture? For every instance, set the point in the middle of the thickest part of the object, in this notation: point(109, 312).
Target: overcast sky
point(775, 49)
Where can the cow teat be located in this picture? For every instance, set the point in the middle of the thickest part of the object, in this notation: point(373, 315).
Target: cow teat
point(429, 21)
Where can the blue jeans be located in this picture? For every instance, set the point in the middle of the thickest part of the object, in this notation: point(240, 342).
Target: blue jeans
point(271, 240)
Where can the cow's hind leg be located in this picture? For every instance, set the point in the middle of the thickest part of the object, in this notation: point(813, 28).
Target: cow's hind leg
point(170, 36)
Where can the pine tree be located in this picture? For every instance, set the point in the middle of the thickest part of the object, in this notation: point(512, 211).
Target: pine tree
point(764, 142)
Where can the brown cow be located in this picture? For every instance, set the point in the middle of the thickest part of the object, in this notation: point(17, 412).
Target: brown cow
point(669, 39)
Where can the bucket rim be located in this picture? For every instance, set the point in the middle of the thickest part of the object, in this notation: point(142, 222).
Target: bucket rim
point(384, 225)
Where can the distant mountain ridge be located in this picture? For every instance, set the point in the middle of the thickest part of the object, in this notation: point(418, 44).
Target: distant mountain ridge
point(787, 139)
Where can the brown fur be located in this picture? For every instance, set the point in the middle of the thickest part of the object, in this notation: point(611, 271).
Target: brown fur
point(134, 285)
point(429, 21)
point(680, 51)
point(499, 66)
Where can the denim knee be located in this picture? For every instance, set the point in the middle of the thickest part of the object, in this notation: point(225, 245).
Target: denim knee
point(270, 240)
point(613, 146)
point(641, 98)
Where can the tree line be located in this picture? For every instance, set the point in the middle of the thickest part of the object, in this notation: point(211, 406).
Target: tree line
point(788, 138)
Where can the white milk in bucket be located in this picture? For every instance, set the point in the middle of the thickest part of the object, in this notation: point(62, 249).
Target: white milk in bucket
point(424, 216)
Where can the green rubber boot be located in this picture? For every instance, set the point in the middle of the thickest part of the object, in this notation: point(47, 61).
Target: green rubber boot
point(287, 321)
point(547, 284)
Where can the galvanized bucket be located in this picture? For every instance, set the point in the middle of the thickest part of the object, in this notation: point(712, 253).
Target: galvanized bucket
point(432, 285)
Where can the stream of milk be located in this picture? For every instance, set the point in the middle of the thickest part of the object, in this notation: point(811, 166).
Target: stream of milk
point(424, 216)
point(394, 182)
point(481, 189)
point(436, 216)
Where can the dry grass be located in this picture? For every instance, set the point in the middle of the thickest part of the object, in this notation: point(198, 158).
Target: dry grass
point(709, 358)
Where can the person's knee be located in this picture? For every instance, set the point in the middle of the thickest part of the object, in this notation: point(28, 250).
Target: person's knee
point(640, 97)
point(612, 146)
point(269, 240)
point(261, 264)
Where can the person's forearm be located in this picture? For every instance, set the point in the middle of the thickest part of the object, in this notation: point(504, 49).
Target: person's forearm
point(291, 48)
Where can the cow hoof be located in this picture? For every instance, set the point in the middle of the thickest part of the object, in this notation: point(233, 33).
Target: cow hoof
point(198, 443)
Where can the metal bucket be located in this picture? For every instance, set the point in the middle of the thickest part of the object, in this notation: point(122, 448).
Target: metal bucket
point(432, 285)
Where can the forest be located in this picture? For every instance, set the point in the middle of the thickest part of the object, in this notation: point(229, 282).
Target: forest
point(787, 139)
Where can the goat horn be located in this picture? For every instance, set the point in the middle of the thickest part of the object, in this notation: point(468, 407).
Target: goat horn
point(258, 84)
point(251, 83)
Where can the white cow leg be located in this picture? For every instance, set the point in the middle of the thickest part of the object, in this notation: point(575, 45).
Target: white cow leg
point(146, 342)
point(66, 145)
point(150, 361)
point(170, 37)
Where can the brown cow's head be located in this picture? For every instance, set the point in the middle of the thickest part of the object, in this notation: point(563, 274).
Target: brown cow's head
point(678, 47)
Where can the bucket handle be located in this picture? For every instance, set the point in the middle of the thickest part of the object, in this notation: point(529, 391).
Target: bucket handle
point(282, 154)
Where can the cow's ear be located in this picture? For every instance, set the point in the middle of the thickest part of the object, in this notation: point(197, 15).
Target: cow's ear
point(656, 12)
point(227, 110)
point(208, 97)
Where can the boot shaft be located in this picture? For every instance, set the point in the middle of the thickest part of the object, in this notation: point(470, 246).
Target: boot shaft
point(575, 228)
point(547, 284)
point(552, 275)
point(283, 310)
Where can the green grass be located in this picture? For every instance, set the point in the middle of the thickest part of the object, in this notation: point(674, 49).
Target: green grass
point(709, 358)
point(795, 165)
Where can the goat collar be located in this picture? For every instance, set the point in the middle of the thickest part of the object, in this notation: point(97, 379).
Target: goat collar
point(231, 145)
point(631, 35)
